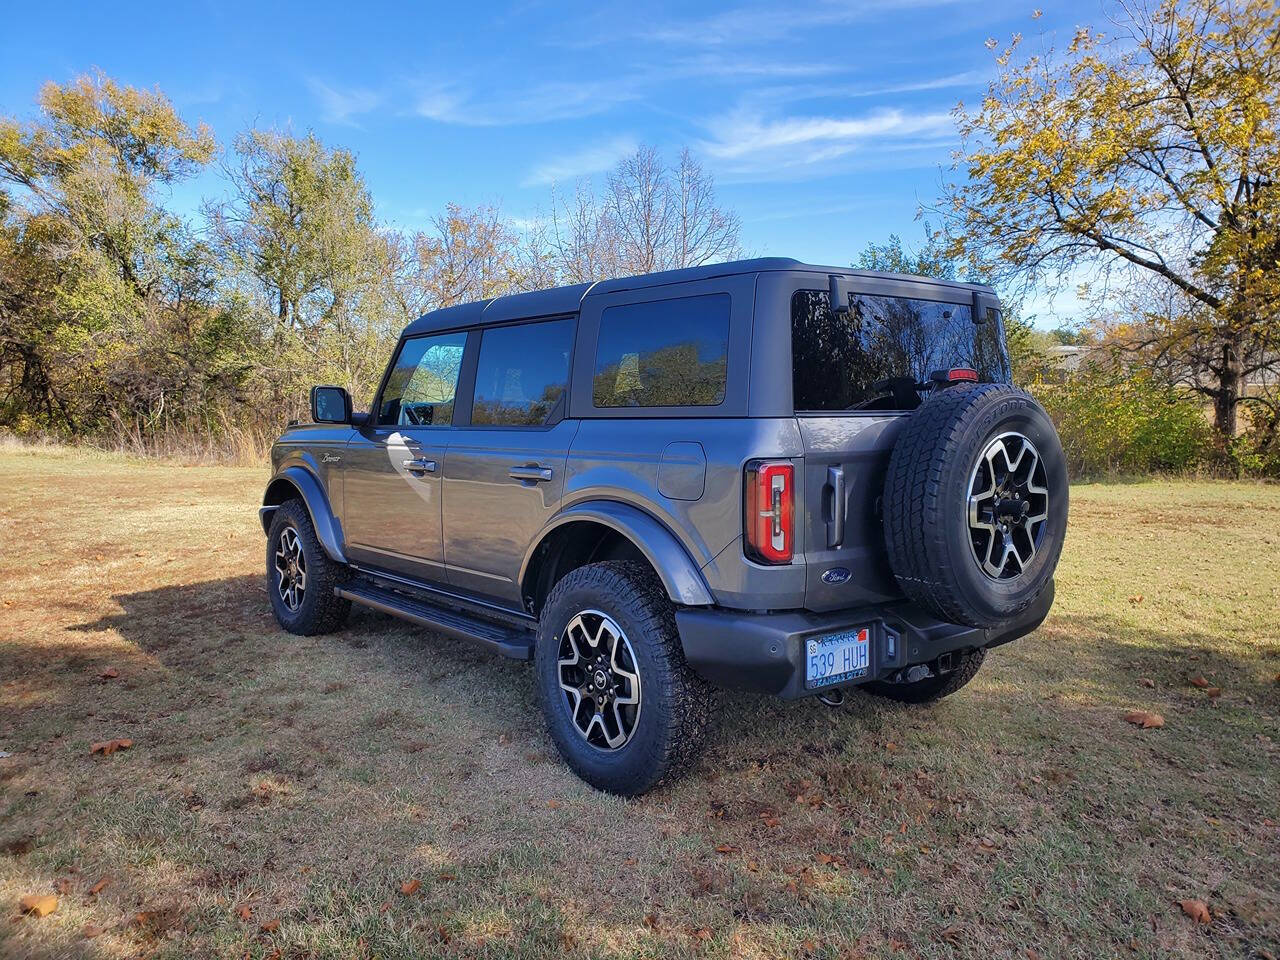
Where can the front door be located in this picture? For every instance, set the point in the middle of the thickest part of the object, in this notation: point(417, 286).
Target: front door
point(504, 470)
point(394, 464)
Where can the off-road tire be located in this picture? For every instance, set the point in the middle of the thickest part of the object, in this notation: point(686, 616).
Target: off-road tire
point(320, 611)
point(677, 705)
point(931, 688)
point(926, 502)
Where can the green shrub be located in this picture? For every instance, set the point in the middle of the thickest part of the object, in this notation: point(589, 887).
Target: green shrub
point(1118, 420)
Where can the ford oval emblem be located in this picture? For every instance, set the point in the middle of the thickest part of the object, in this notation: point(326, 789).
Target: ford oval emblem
point(835, 575)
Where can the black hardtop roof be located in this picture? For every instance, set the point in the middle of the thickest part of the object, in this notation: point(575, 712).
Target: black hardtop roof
point(562, 300)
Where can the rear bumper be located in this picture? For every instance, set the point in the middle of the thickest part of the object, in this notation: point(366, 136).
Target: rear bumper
point(765, 652)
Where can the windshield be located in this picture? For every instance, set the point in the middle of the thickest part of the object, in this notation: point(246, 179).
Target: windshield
point(873, 356)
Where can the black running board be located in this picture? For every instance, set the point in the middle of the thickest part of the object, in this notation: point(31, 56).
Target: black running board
point(509, 641)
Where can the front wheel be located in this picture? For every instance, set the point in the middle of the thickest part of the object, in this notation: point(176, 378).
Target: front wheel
point(622, 705)
point(300, 576)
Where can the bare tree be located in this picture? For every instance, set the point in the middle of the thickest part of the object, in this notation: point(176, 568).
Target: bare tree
point(640, 204)
point(650, 217)
point(702, 232)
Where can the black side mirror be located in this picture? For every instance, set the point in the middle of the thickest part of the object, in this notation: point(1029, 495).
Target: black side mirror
point(330, 405)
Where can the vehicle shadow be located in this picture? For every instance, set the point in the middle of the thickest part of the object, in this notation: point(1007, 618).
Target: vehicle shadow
point(212, 631)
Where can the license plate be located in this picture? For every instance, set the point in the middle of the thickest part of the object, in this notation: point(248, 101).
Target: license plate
point(834, 659)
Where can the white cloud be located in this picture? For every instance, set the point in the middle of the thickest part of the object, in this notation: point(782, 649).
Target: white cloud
point(742, 135)
point(341, 106)
point(566, 167)
point(538, 103)
point(749, 24)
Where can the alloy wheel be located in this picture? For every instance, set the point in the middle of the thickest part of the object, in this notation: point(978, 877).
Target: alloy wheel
point(291, 569)
point(600, 677)
point(1008, 506)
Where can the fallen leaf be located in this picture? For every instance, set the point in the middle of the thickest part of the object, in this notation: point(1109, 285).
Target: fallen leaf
point(891, 747)
point(244, 912)
point(1213, 692)
point(702, 933)
point(1144, 719)
point(62, 885)
point(109, 674)
point(1199, 681)
point(1032, 955)
point(1146, 682)
point(107, 747)
point(651, 921)
point(269, 926)
point(726, 848)
point(410, 887)
point(1136, 598)
point(38, 904)
point(91, 930)
point(553, 804)
point(98, 887)
point(1197, 910)
point(952, 933)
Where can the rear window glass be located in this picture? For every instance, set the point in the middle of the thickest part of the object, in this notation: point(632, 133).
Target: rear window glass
point(872, 357)
point(666, 353)
point(521, 374)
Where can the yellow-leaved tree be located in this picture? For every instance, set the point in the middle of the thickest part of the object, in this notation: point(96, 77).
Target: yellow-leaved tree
point(1147, 155)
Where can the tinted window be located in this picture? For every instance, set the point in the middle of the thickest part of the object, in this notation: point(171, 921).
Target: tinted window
point(420, 389)
point(871, 357)
point(667, 353)
point(522, 373)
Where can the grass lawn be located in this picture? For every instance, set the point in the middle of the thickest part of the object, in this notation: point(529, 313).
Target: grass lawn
point(280, 790)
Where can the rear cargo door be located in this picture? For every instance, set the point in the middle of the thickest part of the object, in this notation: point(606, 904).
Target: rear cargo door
point(844, 465)
point(857, 374)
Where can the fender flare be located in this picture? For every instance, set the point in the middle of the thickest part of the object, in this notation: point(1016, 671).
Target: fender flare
point(328, 528)
point(668, 557)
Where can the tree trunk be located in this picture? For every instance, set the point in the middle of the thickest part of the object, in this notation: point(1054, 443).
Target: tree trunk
point(1226, 400)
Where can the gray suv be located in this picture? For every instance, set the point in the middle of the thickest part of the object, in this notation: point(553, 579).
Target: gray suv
point(760, 475)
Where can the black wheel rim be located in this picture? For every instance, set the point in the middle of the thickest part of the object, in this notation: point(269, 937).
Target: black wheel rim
point(291, 569)
point(600, 679)
point(1008, 506)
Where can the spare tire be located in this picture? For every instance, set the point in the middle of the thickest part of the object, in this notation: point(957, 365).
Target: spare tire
point(975, 504)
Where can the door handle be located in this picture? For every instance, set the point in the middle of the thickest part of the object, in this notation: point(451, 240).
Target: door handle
point(533, 473)
point(835, 526)
point(420, 465)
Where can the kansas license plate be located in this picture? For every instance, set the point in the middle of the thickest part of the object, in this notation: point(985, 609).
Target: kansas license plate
point(834, 659)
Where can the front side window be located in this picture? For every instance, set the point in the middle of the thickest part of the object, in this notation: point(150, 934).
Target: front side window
point(873, 356)
point(522, 373)
point(420, 389)
point(666, 353)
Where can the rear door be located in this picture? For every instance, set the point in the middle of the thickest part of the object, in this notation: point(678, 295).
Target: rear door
point(391, 487)
point(504, 470)
point(856, 377)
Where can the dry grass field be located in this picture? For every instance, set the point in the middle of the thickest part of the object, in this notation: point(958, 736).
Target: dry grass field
point(387, 793)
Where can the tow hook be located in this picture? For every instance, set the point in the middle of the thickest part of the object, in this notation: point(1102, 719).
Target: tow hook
point(832, 698)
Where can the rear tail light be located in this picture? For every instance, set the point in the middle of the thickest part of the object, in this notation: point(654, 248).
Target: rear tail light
point(770, 511)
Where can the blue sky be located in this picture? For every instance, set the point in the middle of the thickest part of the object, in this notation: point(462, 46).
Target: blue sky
point(826, 124)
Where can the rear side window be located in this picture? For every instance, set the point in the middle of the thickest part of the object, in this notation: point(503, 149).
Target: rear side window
point(665, 353)
point(521, 374)
point(872, 357)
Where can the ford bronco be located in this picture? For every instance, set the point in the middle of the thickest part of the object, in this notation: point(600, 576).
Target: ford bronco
point(760, 475)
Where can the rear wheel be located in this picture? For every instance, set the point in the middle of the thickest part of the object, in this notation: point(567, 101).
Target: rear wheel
point(924, 684)
point(623, 707)
point(300, 576)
